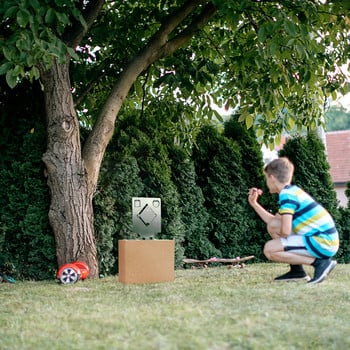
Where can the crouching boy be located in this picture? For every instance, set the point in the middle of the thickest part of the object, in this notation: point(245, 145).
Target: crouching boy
point(303, 232)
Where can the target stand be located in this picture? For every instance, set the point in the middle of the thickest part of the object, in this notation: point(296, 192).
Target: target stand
point(146, 260)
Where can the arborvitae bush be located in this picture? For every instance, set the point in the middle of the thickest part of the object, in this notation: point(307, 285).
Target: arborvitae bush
point(252, 162)
point(119, 182)
point(27, 242)
point(28, 239)
point(194, 215)
point(220, 175)
point(343, 225)
point(344, 231)
point(252, 168)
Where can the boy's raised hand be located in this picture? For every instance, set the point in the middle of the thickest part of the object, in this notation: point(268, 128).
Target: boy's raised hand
point(253, 195)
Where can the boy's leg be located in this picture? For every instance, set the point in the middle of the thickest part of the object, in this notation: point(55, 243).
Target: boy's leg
point(277, 251)
point(292, 250)
point(296, 272)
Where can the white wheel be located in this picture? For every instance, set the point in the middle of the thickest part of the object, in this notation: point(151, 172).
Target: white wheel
point(69, 275)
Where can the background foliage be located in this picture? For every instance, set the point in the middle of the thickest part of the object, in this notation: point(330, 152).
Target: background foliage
point(203, 188)
point(26, 241)
point(337, 118)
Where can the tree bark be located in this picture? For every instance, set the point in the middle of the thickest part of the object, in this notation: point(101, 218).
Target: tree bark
point(71, 211)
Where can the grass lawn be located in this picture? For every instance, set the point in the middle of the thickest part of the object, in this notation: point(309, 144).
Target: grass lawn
point(214, 308)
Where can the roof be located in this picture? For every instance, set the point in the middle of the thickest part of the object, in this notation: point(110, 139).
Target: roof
point(338, 150)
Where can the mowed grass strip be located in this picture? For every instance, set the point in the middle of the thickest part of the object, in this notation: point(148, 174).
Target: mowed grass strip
point(213, 308)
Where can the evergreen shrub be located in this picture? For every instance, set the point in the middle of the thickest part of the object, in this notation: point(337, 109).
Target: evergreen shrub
point(119, 182)
point(26, 240)
point(218, 162)
point(344, 225)
point(195, 216)
point(252, 167)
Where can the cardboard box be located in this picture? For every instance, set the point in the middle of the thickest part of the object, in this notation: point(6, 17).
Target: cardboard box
point(146, 261)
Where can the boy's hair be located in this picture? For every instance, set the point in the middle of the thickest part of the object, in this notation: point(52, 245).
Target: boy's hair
point(281, 168)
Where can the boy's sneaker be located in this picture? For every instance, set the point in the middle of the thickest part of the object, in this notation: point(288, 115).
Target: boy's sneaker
point(322, 268)
point(293, 276)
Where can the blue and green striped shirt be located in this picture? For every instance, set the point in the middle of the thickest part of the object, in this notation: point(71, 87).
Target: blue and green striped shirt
point(311, 220)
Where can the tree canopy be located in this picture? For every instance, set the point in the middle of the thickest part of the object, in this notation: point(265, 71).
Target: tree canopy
point(277, 60)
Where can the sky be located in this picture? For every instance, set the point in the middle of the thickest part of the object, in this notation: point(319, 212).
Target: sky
point(345, 101)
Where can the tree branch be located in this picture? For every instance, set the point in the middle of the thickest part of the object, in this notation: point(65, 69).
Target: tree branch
point(198, 23)
point(76, 33)
point(157, 48)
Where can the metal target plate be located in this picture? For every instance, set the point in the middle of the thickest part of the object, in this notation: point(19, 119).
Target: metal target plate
point(146, 216)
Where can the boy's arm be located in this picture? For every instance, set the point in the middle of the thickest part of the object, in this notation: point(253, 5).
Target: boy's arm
point(253, 196)
point(286, 225)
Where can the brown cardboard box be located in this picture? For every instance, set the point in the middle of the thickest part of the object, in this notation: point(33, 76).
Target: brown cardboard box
point(146, 261)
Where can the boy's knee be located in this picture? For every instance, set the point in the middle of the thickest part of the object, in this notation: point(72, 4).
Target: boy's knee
point(268, 251)
point(274, 226)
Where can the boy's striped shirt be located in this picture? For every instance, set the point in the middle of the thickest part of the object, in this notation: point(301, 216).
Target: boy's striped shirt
point(311, 220)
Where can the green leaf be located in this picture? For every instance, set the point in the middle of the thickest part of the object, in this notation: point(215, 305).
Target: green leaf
point(18, 70)
point(11, 79)
point(62, 18)
point(242, 117)
point(5, 68)
point(9, 53)
point(259, 132)
point(218, 115)
point(334, 95)
point(72, 53)
point(290, 28)
point(10, 12)
point(34, 73)
point(23, 18)
point(249, 121)
point(138, 89)
point(262, 34)
point(291, 123)
point(307, 76)
point(274, 49)
point(50, 16)
point(301, 51)
point(35, 4)
point(291, 42)
point(278, 139)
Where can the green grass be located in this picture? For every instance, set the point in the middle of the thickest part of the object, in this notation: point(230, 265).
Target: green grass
point(214, 308)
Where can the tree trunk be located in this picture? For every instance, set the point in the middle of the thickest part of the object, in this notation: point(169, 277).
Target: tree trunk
point(71, 211)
